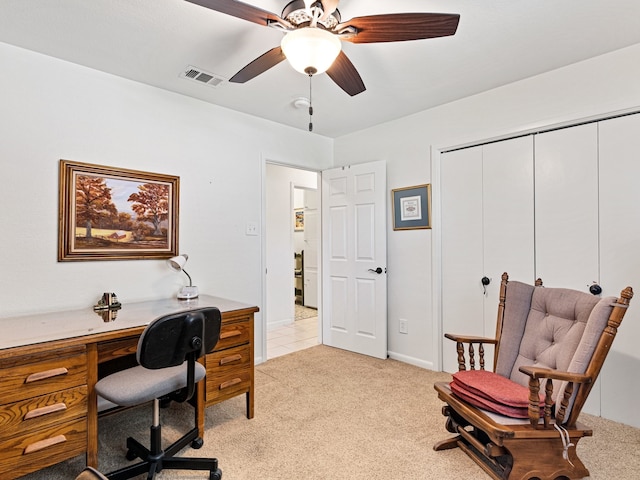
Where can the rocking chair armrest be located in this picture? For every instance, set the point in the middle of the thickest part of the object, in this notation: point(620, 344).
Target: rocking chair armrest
point(470, 339)
point(538, 373)
point(547, 374)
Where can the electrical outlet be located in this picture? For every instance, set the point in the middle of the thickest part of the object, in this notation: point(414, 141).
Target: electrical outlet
point(252, 229)
point(403, 326)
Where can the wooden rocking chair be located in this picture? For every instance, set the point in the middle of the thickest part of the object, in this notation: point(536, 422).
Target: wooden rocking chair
point(555, 335)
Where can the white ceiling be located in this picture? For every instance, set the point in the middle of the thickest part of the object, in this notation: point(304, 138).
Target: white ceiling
point(153, 42)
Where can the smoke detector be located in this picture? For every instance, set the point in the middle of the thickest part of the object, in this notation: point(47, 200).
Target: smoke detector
point(301, 102)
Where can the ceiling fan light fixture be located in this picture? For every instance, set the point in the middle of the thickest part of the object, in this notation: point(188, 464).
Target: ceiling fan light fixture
point(311, 50)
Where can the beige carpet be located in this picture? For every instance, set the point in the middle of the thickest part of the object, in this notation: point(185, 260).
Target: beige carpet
point(324, 413)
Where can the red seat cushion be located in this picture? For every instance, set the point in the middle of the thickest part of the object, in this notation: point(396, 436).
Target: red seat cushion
point(492, 392)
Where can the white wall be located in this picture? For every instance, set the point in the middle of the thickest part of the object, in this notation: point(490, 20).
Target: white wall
point(280, 240)
point(604, 84)
point(54, 110)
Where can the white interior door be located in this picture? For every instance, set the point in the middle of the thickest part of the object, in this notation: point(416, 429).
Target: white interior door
point(354, 293)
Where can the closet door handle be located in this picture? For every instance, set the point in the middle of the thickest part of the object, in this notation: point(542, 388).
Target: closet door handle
point(485, 281)
point(377, 270)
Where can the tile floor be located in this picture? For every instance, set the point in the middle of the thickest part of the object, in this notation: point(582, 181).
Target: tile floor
point(291, 338)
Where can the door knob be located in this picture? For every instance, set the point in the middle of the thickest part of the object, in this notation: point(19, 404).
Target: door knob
point(377, 270)
point(485, 281)
point(595, 289)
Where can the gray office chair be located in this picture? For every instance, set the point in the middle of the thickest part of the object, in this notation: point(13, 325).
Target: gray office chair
point(167, 355)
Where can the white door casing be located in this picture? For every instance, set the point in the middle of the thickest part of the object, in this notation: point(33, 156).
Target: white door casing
point(354, 295)
point(311, 242)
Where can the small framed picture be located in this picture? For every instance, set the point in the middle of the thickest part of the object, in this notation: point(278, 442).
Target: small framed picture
point(411, 207)
point(298, 219)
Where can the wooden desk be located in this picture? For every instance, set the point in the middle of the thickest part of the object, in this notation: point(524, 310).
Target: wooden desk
point(50, 363)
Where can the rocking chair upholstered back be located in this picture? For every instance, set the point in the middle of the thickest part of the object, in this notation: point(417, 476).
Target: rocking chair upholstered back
point(554, 328)
point(556, 335)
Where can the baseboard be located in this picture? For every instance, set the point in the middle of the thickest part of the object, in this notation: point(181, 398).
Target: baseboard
point(279, 323)
point(411, 360)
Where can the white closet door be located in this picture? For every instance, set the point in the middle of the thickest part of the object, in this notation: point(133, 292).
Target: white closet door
point(508, 218)
point(567, 203)
point(566, 206)
point(462, 257)
point(487, 229)
point(620, 261)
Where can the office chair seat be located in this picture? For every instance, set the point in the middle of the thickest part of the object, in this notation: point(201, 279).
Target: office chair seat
point(167, 354)
point(138, 385)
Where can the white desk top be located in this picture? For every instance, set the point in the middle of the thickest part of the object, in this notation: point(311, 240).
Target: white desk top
point(46, 327)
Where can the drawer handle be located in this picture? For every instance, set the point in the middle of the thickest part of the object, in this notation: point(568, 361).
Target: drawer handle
point(42, 444)
point(230, 383)
point(231, 333)
point(232, 358)
point(39, 412)
point(54, 372)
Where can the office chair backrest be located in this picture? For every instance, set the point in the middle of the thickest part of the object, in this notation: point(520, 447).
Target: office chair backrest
point(170, 340)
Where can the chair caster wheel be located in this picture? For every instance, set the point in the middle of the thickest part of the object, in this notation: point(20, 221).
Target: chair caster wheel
point(131, 455)
point(217, 475)
point(197, 443)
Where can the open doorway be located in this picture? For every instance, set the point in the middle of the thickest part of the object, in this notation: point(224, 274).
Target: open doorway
point(292, 259)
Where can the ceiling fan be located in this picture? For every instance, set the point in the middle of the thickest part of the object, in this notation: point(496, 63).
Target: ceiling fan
point(314, 31)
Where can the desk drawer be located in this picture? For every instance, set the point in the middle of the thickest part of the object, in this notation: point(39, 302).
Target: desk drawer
point(233, 334)
point(41, 374)
point(36, 413)
point(28, 453)
point(228, 373)
point(117, 348)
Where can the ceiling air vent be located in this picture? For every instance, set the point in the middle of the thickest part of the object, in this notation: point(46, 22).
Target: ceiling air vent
point(200, 76)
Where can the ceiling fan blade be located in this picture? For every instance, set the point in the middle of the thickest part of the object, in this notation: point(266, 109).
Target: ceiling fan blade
point(239, 10)
point(260, 65)
point(345, 75)
point(399, 27)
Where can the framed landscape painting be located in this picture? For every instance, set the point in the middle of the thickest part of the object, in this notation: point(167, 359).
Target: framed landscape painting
point(108, 213)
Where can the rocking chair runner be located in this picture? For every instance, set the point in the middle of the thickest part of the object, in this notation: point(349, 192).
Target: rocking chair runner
point(554, 335)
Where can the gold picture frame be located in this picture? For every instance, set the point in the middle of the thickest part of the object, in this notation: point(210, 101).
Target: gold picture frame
point(411, 207)
point(108, 213)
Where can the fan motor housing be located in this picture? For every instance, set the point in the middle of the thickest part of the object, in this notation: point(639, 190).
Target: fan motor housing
point(295, 12)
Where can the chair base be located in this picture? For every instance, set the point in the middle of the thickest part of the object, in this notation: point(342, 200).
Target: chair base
point(155, 460)
point(509, 452)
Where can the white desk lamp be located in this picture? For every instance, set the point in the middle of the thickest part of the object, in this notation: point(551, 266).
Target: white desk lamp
point(177, 265)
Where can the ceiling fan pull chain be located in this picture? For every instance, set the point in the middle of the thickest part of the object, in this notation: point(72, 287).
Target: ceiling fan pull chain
point(310, 106)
